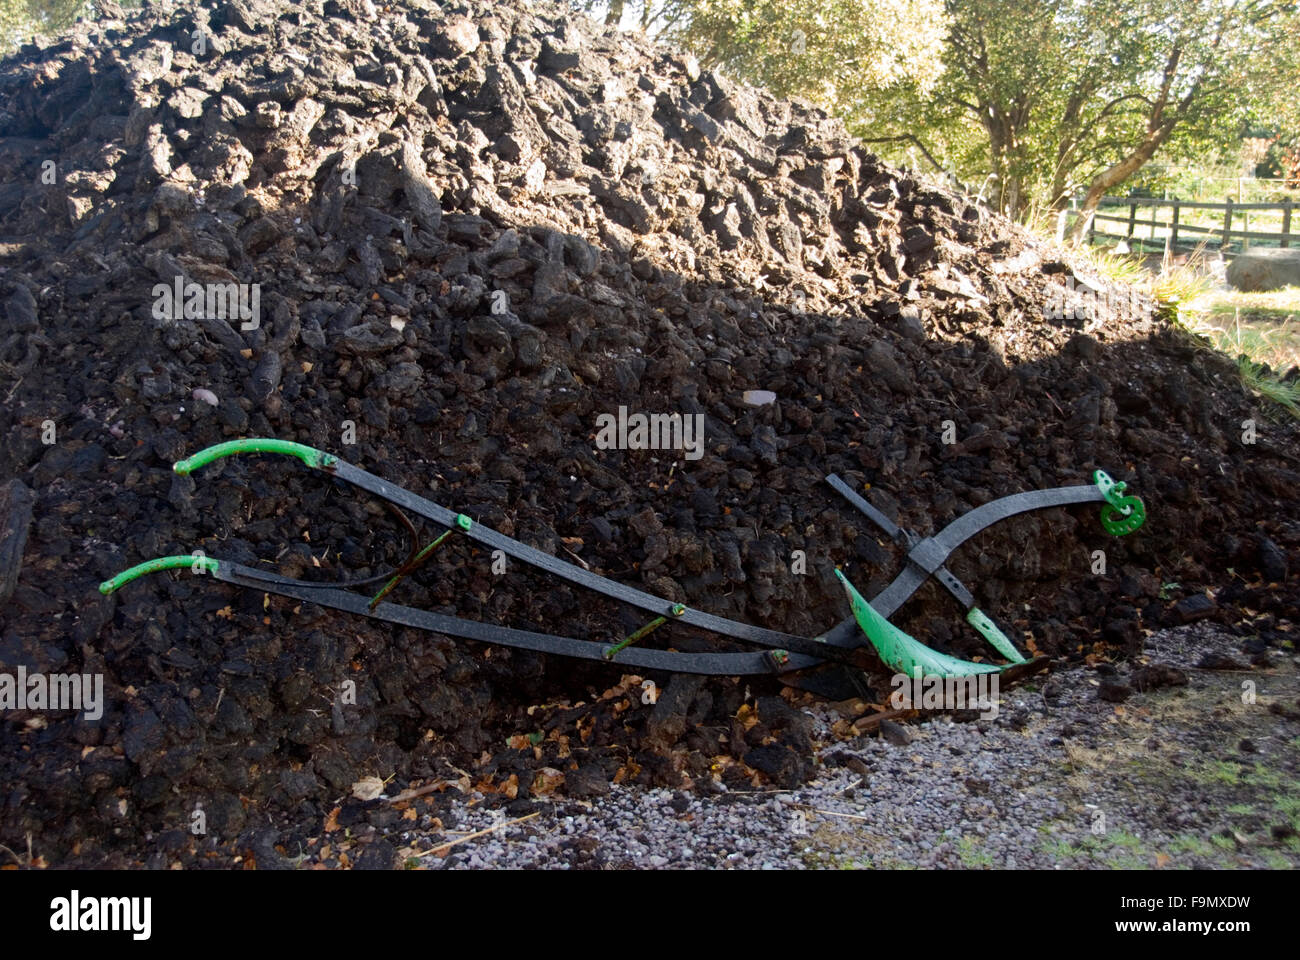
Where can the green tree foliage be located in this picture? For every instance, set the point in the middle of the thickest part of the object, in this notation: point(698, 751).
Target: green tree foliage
point(829, 51)
point(21, 19)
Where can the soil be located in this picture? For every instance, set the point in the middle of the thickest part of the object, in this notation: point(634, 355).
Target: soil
point(474, 228)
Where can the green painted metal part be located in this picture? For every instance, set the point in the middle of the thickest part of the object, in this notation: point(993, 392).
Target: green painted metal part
point(989, 630)
point(153, 566)
point(632, 638)
point(400, 575)
point(316, 459)
point(462, 523)
point(677, 610)
point(1121, 514)
point(900, 651)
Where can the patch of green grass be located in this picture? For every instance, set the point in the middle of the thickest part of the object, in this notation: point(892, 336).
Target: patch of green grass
point(1289, 806)
point(1281, 304)
point(1117, 267)
point(1227, 844)
point(972, 852)
point(1221, 771)
point(1125, 851)
point(1118, 849)
point(1122, 838)
point(1059, 849)
point(1263, 777)
point(1260, 330)
point(1191, 844)
point(1241, 809)
point(1259, 380)
point(1176, 288)
point(1276, 861)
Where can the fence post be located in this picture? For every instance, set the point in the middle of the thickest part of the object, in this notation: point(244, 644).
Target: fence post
point(1227, 224)
point(1132, 218)
point(1286, 223)
point(1173, 228)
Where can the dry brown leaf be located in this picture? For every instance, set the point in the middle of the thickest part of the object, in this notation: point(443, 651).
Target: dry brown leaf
point(547, 781)
point(331, 823)
point(747, 715)
point(368, 788)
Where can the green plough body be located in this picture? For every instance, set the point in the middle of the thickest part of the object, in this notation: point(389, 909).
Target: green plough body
point(900, 651)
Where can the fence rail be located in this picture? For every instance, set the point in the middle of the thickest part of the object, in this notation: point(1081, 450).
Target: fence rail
point(1164, 234)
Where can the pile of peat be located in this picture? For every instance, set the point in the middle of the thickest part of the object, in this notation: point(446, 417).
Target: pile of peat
point(474, 227)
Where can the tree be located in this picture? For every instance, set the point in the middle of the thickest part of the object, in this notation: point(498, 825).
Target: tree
point(1190, 69)
point(20, 19)
point(827, 51)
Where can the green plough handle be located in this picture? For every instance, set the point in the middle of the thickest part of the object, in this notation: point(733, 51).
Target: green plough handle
point(153, 566)
point(316, 459)
point(990, 632)
point(1121, 514)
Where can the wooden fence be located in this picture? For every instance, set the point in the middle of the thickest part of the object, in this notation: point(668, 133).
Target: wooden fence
point(1178, 236)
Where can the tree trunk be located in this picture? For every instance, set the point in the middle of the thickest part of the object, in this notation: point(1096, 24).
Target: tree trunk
point(1116, 174)
point(614, 15)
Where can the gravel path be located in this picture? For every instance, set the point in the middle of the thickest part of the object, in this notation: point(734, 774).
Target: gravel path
point(1180, 776)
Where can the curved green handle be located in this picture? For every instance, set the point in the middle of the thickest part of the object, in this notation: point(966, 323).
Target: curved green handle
point(153, 566)
point(314, 458)
point(1121, 514)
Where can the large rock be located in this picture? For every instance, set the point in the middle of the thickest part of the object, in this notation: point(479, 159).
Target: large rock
point(1265, 270)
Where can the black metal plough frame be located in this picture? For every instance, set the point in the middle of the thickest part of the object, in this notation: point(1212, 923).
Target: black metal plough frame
point(783, 653)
